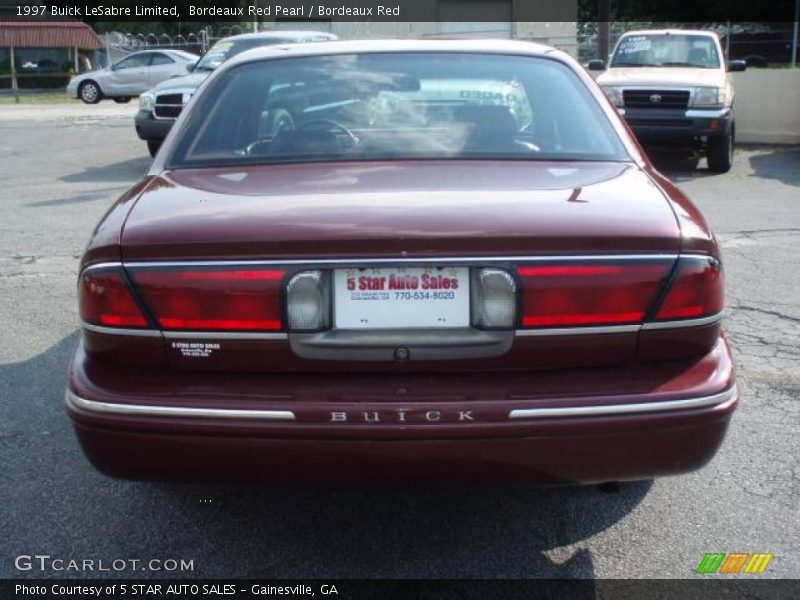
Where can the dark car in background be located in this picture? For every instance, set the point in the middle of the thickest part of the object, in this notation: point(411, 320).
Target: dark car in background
point(457, 266)
point(161, 105)
point(760, 49)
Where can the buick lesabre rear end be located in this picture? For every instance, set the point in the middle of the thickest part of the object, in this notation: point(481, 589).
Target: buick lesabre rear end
point(397, 261)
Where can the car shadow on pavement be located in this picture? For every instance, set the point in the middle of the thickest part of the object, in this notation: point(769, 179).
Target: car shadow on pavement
point(57, 504)
point(125, 171)
point(89, 196)
point(777, 162)
point(679, 166)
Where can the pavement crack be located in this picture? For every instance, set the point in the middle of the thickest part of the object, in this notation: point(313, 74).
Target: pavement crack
point(764, 311)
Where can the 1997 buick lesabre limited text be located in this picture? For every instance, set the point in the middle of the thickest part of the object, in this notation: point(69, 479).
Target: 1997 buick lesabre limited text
point(340, 268)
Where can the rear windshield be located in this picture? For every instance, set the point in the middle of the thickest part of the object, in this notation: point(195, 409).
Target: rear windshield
point(397, 106)
point(667, 50)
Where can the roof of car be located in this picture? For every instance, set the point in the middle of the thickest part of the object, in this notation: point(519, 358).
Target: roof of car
point(178, 52)
point(671, 32)
point(488, 46)
point(283, 34)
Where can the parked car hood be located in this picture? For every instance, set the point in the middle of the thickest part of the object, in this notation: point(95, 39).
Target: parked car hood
point(663, 76)
point(183, 82)
point(400, 209)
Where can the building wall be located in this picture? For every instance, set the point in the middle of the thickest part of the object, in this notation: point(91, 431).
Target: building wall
point(767, 106)
point(560, 34)
point(518, 19)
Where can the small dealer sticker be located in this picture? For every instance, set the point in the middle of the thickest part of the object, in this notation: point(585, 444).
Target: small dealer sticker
point(195, 349)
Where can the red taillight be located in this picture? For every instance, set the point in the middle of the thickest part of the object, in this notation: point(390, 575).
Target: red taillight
point(698, 290)
point(563, 295)
point(105, 299)
point(213, 299)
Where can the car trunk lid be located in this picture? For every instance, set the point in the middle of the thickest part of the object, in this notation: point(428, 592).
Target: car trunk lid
point(400, 209)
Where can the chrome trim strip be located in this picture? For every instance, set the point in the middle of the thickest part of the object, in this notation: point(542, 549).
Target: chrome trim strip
point(683, 323)
point(621, 409)
point(579, 330)
point(120, 330)
point(248, 335)
point(224, 335)
point(187, 335)
point(381, 260)
point(75, 401)
point(697, 113)
point(650, 325)
point(102, 265)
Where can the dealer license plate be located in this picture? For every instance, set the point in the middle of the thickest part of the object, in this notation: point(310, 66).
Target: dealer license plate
point(401, 297)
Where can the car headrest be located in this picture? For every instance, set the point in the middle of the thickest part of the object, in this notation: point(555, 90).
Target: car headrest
point(697, 55)
point(488, 119)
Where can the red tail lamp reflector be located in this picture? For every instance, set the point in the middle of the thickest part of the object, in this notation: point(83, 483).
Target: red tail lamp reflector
point(589, 294)
point(697, 291)
point(105, 299)
point(213, 299)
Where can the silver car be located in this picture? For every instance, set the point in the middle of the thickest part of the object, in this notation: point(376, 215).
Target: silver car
point(130, 76)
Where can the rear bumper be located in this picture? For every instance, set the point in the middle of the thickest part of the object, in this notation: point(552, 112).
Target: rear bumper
point(149, 128)
point(676, 124)
point(674, 425)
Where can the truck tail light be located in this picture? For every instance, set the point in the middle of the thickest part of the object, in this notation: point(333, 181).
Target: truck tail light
point(308, 301)
point(212, 298)
point(577, 294)
point(105, 299)
point(697, 290)
point(494, 299)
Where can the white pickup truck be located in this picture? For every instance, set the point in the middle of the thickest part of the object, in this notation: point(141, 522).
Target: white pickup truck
point(674, 88)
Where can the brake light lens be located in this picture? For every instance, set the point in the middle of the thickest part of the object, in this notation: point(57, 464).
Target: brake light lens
point(569, 295)
point(213, 299)
point(698, 290)
point(105, 299)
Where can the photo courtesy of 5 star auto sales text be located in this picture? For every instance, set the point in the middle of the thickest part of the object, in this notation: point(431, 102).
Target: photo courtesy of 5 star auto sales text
point(411, 299)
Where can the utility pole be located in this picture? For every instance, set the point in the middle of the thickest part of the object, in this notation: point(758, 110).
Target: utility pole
point(14, 84)
point(794, 32)
point(603, 32)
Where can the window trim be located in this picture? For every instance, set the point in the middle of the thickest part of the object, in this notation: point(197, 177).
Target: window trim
point(129, 57)
point(165, 55)
point(627, 145)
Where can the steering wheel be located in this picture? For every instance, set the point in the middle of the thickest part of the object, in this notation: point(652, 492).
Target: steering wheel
point(330, 124)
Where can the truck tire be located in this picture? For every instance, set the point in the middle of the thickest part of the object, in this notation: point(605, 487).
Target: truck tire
point(153, 146)
point(720, 152)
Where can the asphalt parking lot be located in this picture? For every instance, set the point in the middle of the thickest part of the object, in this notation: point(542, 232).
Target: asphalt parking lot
point(61, 169)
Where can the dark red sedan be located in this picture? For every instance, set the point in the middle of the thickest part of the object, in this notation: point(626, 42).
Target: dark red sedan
point(395, 260)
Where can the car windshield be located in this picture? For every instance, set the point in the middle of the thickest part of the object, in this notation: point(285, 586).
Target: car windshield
point(667, 50)
point(397, 106)
point(225, 49)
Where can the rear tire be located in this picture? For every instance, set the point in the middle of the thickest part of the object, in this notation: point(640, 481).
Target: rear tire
point(90, 92)
point(122, 99)
point(152, 147)
point(720, 152)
